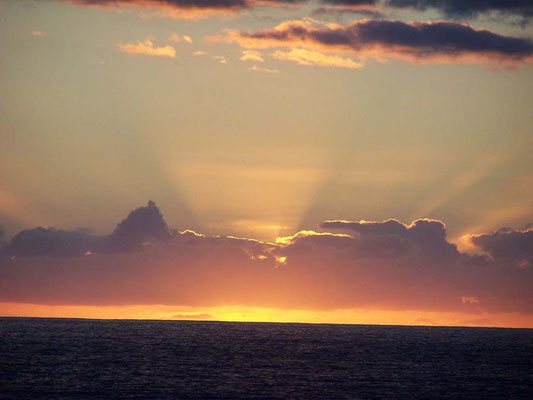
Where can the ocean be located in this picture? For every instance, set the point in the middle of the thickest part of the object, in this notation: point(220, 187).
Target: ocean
point(130, 359)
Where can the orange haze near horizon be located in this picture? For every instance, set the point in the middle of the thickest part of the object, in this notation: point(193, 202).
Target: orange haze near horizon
point(258, 314)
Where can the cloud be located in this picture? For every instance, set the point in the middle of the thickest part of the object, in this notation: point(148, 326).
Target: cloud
point(177, 38)
point(416, 42)
point(335, 10)
point(364, 7)
point(147, 48)
point(385, 265)
point(505, 243)
point(354, 3)
point(316, 58)
point(187, 9)
point(200, 9)
point(450, 8)
point(251, 55)
point(193, 316)
point(50, 241)
point(2, 242)
point(220, 59)
point(423, 239)
point(467, 8)
point(141, 225)
point(423, 235)
point(278, 3)
point(174, 38)
point(257, 68)
point(175, 9)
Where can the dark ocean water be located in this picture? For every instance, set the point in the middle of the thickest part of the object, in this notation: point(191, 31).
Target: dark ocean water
point(94, 359)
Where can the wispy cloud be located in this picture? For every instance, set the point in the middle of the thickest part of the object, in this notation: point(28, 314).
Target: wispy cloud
point(257, 68)
point(147, 48)
point(220, 59)
point(316, 58)
point(251, 55)
point(175, 37)
point(193, 316)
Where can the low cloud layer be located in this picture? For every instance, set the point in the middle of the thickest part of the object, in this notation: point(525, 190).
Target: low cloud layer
point(423, 235)
point(351, 264)
point(416, 42)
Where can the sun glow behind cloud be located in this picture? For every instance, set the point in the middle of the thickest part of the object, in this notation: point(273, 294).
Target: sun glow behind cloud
point(277, 197)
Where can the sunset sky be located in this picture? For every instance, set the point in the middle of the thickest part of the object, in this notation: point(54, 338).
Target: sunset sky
point(344, 161)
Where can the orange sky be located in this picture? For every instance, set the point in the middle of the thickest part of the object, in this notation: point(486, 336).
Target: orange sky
point(310, 162)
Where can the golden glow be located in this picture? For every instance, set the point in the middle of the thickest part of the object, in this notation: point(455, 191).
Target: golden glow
point(257, 314)
point(235, 193)
point(281, 260)
point(290, 239)
point(21, 209)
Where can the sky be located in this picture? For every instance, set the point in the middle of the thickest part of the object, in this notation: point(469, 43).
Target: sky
point(336, 161)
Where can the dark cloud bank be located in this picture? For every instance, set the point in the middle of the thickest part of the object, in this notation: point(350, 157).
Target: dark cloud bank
point(417, 41)
point(141, 225)
point(467, 8)
point(461, 9)
point(385, 265)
